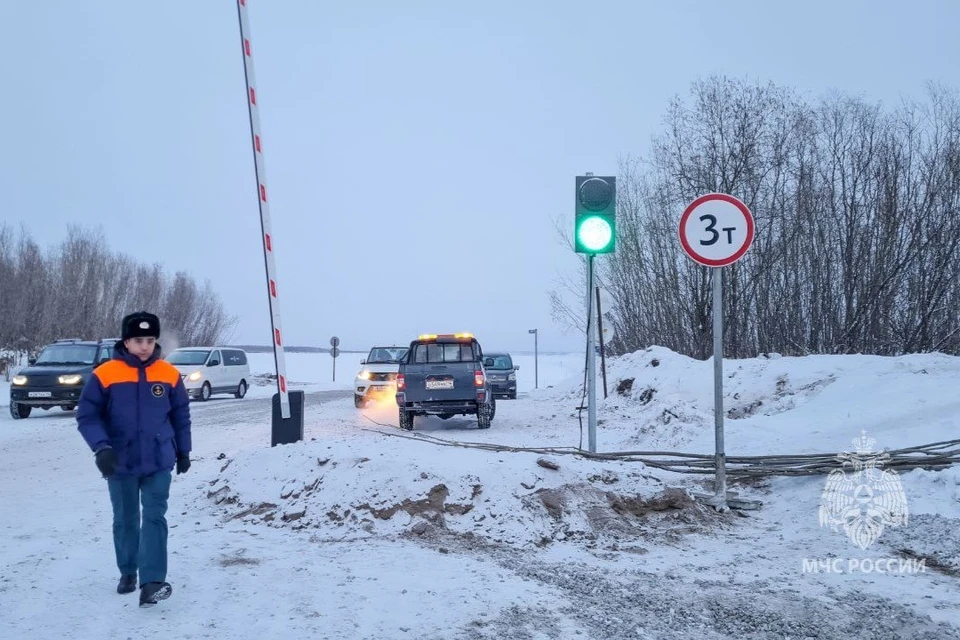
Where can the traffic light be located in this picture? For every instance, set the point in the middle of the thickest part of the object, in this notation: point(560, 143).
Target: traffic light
point(595, 228)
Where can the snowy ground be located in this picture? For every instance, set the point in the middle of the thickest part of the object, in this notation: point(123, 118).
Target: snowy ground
point(360, 533)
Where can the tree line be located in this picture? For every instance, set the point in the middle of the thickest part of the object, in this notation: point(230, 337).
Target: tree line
point(857, 209)
point(82, 289)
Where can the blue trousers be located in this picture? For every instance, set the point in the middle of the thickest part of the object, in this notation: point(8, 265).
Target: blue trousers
point(141, 548)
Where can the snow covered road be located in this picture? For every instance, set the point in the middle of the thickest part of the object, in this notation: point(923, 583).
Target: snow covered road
point(57, 576)
point(356, 534)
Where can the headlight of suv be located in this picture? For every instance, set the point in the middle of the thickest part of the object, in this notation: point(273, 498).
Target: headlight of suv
point(193, 377)
point(19, 380)
point(364, 375)
point(71, 379)
point(512, 376)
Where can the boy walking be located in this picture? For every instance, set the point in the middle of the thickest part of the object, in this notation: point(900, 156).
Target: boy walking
point(134, 414)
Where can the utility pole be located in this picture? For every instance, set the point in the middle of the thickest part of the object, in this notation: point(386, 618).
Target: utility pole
point(603, 359)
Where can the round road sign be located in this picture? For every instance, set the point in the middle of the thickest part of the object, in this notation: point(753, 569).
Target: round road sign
point(334, 341)
point(716, 230)
point(334, 352)
point(608, 332)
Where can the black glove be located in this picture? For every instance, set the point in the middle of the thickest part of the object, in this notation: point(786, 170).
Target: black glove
point(183, 463)
point(106, 461)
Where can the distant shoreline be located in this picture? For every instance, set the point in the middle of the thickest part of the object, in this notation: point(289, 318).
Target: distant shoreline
point(259, 348)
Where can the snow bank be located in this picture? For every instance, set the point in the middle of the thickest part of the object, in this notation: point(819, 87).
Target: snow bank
point(384, 485)
point(662, 400)
point(343, 482)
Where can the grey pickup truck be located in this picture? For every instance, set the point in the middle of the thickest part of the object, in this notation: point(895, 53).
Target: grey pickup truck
point(443, 375)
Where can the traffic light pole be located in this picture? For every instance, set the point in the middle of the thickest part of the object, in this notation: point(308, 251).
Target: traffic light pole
point(594, 231)
point(591, 364)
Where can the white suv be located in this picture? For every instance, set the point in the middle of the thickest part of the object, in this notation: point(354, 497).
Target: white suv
point(209, 370)
point(377, 377)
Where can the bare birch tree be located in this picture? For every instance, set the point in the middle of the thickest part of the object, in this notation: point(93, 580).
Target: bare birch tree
point(857, 245)
point(80, 289)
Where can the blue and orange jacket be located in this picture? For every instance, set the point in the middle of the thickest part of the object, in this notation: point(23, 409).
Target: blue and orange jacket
point(141, 409)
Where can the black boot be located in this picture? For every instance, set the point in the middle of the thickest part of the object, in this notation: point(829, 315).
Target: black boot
point(153, 592)
point(128, 584)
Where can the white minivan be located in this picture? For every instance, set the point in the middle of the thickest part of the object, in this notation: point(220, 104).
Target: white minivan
point(209, 370)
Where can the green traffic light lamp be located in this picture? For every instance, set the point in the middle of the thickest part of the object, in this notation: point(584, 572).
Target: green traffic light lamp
point(595, 223)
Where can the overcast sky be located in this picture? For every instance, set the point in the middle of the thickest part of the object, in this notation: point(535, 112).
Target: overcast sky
point(417, 153)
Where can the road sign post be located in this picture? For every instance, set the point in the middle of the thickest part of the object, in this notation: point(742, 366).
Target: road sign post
point(536, 360)
point(334, 352)
point(715, 231)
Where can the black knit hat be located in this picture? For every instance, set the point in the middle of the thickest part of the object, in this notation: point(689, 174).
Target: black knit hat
point(140, 325)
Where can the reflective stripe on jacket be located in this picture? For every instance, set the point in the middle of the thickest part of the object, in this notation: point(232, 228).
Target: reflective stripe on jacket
point(141, 409)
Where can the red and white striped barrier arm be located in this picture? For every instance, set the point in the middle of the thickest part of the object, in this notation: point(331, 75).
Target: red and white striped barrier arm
point(268, 242)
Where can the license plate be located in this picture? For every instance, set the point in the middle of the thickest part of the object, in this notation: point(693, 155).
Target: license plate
point(440, 384)
point(39, 394)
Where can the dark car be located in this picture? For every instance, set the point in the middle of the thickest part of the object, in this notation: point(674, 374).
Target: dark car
point(443, 375)
point(57, 375)
point(502, 374)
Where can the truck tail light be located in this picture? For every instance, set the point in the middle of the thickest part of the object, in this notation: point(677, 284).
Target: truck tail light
point(478, 378)
point(401, 383)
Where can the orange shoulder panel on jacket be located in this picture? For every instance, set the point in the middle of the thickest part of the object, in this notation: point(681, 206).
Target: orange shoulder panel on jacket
point(114, 371)
point(163, 371)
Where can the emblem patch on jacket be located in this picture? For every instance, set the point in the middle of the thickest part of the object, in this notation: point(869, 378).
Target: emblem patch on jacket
point(157, 390)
